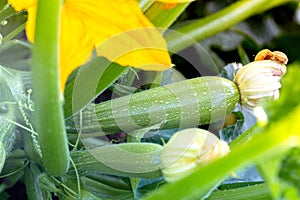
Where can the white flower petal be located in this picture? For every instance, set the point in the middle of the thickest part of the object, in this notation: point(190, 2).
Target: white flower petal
point(259, 80)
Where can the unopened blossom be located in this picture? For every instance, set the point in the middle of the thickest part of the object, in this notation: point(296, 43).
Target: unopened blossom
point(187, 150)
point(259, 80)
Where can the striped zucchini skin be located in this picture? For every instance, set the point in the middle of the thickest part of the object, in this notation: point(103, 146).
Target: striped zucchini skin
point(179, 105)
point(140, 160)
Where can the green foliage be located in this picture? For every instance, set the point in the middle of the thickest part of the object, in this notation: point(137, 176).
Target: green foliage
point(232, 131)
point(255, 192)
point(100, 72)
point(290, 169)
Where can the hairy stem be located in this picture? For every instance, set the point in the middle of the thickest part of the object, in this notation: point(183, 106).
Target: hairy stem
point(47, 95)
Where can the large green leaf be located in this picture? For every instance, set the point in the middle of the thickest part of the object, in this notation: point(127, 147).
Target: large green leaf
point(88, 82)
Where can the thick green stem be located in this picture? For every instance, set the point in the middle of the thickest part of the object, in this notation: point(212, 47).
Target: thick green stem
point(47, 95)
point(203, 28)
point(254, 192)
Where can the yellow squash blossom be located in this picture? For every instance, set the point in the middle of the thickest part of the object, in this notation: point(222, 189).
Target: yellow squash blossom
point(117, 29)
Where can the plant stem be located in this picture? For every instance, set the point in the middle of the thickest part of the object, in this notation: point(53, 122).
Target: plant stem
point(203, 28)
point(47, 95)
point(254, 192)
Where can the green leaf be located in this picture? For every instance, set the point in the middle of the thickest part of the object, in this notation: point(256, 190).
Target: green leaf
point(104, 191)
point(16, 54)
point(113, 181)
point(290, 168)
point(12, 23)
point(34, 192)
point(283, 174)
point(243, 56)
point(232, 131)
point(3, 3)
point(88, 82)
point(6, 12)
point(200, 29)
point(145, 186)
point(139, 160)
point(158, 11)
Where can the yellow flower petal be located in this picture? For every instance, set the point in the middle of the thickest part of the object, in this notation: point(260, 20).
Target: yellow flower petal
point(21, 4)
point(138, 48)
point(117, 28)
point(31, 23)
point(127, 42)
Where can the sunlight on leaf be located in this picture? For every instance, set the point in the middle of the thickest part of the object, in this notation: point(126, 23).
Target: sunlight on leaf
point(129, 37)
point(170, 4)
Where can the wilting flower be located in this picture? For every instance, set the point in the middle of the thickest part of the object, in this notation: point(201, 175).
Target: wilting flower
point(259, 80)
point(187, 150)
point(117, 29)
point(266, 54)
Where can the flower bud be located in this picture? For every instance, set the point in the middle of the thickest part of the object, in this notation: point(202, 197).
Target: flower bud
point(259, 80)
point(187, 150)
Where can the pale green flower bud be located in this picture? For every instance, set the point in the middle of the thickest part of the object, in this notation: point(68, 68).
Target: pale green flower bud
point(259, 80)
point(187, 150)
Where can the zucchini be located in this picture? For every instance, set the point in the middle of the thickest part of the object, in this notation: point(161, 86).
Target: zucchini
point(188, 103)
point(183, 104)
point(140, 160)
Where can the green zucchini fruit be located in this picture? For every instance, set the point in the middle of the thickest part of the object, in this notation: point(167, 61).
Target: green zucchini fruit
point(102, 190)
point(139, 160)
point(179, 105)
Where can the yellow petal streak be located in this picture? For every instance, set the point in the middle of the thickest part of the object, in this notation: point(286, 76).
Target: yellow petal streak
point(21, 4)
point(117, 29)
